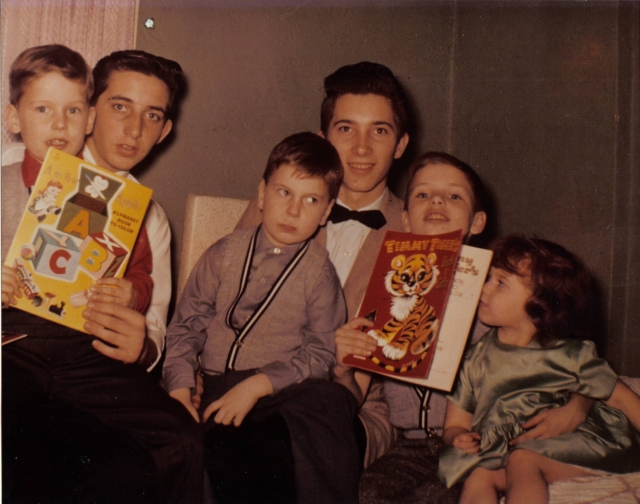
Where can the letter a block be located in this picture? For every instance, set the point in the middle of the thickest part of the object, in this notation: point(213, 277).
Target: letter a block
point(101, 255)
point(56, 255)
point(86, 212)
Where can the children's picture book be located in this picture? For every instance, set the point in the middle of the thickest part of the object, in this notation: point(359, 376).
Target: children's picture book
point(405, 298)
point(432, 335)
point(468, 280)
point(80, 225)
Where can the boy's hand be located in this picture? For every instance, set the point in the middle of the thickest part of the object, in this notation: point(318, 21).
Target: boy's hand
point(237, 402)
point(556, 421)
point(184, 396)
point(196, 399)
point(467, 442)
point(114, 290)
point(120, 327)
point(351, 340)
point(11, 286)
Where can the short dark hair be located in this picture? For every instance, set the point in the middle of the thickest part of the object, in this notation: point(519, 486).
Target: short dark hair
point(168, 71)
point(314, 155)
point(360, 79)
point(40, 60)
point(563, 299)
point(480, 196)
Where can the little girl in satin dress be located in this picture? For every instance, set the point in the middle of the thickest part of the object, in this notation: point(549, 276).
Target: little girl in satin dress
point(538, 299)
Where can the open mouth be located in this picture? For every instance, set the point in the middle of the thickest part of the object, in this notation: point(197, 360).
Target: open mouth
point(436, 217)
point(57, 143)
point(361, 166)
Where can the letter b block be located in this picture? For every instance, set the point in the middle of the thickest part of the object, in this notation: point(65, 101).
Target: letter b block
point(101, 255)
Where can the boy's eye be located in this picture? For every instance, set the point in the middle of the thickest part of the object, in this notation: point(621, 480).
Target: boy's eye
point(74, 110)
point(344, 129)
point(422, 195)
point(118, 106)
point(382, 131)
point(456, 197)
point(41, 109)
point(283, 192)
point(311, 199)
point(154, 117)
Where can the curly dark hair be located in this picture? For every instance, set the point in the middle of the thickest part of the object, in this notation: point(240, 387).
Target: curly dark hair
point(562, 304)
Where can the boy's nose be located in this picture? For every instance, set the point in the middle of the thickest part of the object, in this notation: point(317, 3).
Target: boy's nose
point(361, 146)
point(436, 199)
point(294, 208)
point(60, 121)
point(134, 126)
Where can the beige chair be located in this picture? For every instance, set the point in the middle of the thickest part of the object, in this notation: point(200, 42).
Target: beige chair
point(206, 220)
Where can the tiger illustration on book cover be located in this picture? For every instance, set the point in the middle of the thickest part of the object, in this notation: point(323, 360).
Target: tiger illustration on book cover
point(406, 298)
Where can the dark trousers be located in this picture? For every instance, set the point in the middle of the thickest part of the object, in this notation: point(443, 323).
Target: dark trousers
point(60, 454)
point(56, 369)
point(297, 445)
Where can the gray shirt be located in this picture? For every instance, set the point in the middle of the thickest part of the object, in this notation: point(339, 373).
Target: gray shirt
point(291, 341)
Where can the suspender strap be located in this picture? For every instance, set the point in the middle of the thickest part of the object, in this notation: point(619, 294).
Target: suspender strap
point(264, 304)
point(424, 394)
point(246, 269)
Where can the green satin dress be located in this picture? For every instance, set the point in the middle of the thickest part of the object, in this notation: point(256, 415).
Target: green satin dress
point(504, 386)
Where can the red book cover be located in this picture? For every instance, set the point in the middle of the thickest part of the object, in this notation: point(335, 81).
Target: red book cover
point(406, 299)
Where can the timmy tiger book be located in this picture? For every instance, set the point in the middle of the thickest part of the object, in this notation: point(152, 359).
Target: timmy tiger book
point(422, 297)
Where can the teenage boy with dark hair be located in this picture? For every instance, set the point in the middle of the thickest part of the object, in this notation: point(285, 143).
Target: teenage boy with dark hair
point(135, 101)
point(56, 364)
point(258, 315)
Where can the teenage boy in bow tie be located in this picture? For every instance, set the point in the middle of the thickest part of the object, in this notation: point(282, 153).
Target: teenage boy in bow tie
point(365, 116)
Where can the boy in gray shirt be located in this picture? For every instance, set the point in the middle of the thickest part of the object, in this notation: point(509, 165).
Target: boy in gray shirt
point(259, 314)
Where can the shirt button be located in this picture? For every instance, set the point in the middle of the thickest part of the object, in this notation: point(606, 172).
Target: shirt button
point(277, 250)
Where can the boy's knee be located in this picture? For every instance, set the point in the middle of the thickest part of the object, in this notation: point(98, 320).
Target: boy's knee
point(332, 395)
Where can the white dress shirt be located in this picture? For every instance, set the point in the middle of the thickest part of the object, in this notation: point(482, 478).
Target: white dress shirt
point(345, 239)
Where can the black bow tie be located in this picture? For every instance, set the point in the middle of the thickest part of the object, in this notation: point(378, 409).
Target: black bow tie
point(370, 218)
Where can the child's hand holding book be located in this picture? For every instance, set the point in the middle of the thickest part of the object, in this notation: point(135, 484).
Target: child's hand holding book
point(11, 286)
point(114, 290)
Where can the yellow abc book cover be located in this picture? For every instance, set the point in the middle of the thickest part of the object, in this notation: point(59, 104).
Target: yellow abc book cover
point(80, 225)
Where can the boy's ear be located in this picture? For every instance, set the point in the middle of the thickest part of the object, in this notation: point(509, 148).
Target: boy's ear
point(13, 121)
point(261, 189)
point(321, 134)
point(90, 120)
point(323, 221)
point(166, 129)
point(478, 224)
point(405, 221)
point(401, 146)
